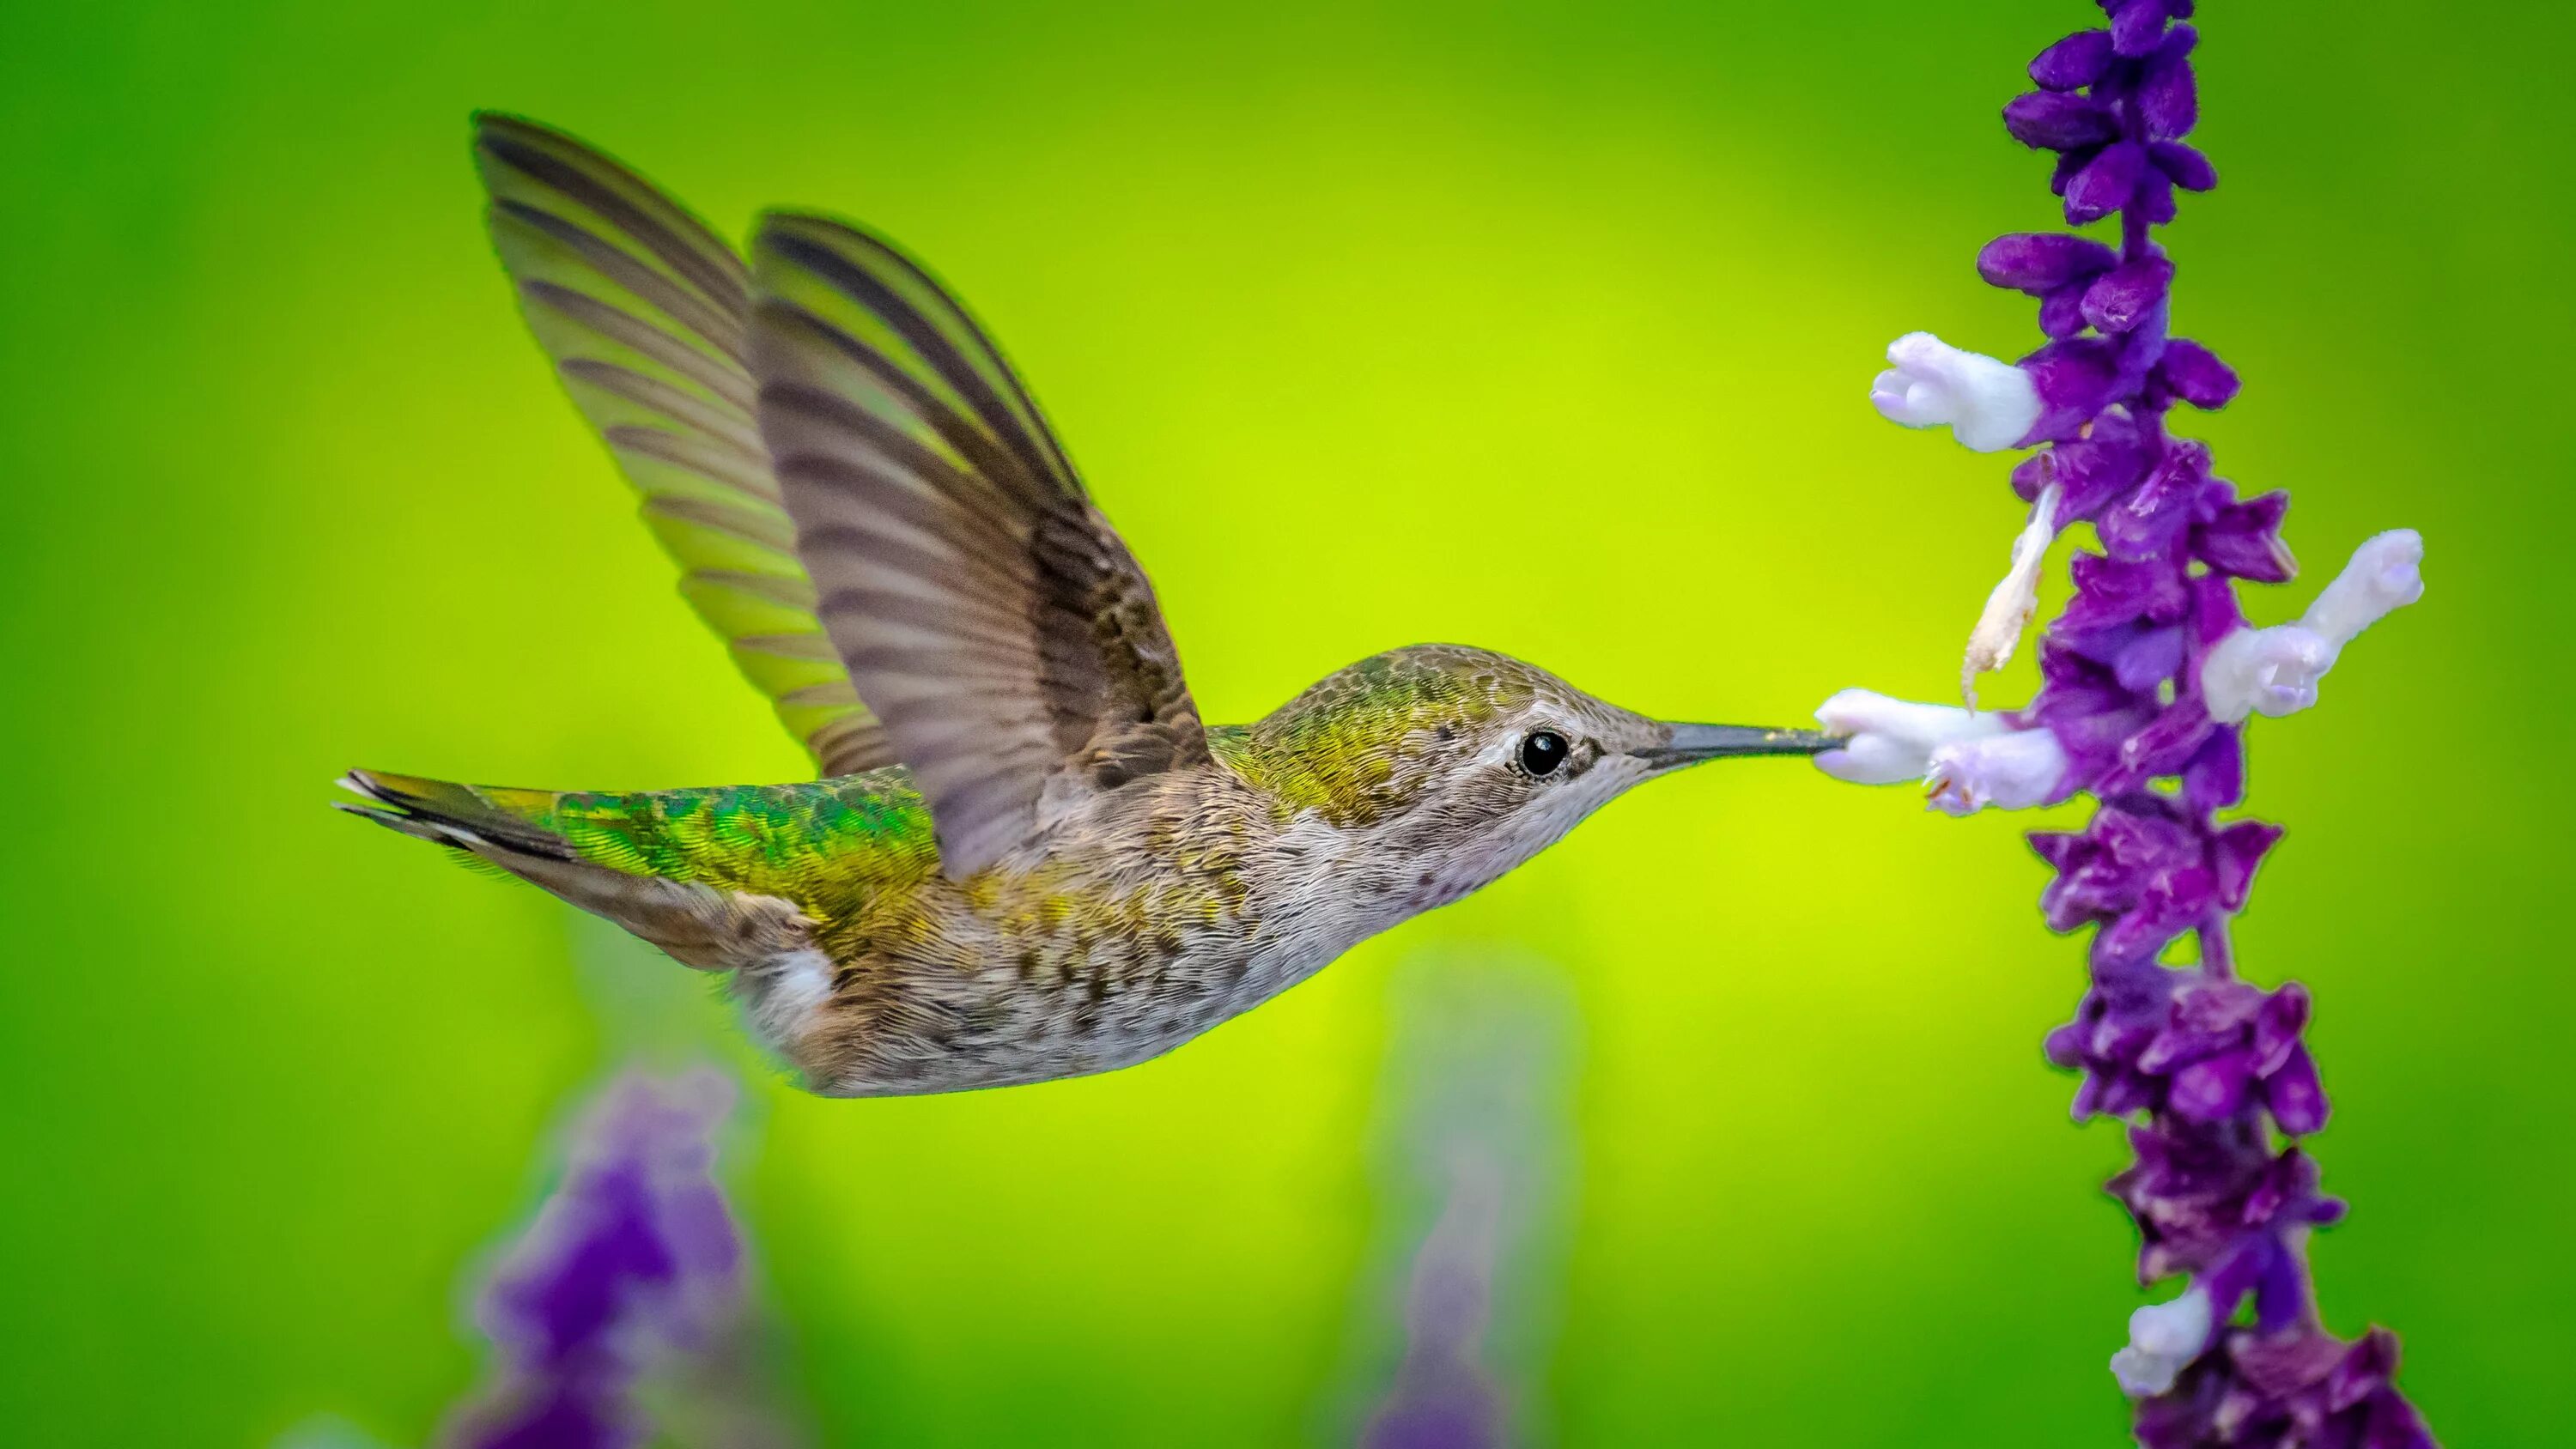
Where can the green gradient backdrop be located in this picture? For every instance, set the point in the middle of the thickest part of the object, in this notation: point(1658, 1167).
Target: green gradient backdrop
point(1543, 327)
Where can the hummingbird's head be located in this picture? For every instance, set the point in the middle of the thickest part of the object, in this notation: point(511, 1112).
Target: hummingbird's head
point(1450, 765)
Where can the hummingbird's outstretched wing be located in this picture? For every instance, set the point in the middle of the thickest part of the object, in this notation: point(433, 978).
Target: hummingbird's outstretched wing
point(645, 313)
point(990, 617)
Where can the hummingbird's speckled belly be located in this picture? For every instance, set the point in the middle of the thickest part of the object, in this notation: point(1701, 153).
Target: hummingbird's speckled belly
point(990, 993)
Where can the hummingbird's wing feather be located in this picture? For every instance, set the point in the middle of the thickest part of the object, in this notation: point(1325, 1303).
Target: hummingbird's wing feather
point(990, 617)
point(645, 313)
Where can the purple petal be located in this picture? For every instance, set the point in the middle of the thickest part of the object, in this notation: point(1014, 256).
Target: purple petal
point(2055, 121)
point(2195, 374)
point(2214, 614)
point(2235, 853)
point(2148, 521)
point(2137, 27)
point(2032, 475)
point(2106, 182)
point(2174, 1047)
point(2068, 163)
point(2153, 201)
point(2060, 848)
point(2245, 540)
point(2111, 592)
point(2075, 380)
point(2038, 262)
point(2277, 1025)
point(2187, 168)
point(2162, 748)
point(2296, 1098)
point(2119, 298)
point(2219, 1006)
point(2061, 313)
point(2214, 779)
point(2064, 1046)
point(2073, 63)
point(2149, 660)
point(2208, 1090)
point(2167, 100)
point(2093, 471)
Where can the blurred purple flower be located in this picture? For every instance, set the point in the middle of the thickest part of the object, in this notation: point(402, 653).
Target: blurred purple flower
point(1475, 1140)
point(2148, 678)
point(633, 1264)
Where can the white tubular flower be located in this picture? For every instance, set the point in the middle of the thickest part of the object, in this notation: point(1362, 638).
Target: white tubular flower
point(2014, 600)
point(1892, 740)
point(2275, 671)
point(2012, 771)
point(1987, 403)
point(2163, 1340)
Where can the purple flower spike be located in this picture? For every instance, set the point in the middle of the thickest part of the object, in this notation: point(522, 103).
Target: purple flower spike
point(2148, 681)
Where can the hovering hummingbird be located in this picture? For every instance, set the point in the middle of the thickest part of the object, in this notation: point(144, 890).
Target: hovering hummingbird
point(1027, 857)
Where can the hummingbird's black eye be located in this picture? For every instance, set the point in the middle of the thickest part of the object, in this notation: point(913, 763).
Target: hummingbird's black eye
point(1542, 751)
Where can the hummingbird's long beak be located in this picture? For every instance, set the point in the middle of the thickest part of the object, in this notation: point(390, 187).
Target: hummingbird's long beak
point(1688, 744)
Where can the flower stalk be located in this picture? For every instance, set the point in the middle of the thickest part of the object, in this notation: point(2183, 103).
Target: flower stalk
point(2148, 679)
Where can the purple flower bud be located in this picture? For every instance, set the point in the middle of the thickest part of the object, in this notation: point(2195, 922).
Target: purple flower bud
point(2106, 183)
point(2061, 313)
point(2244, 539)
point(2153, 201)
point(2137, 26)
point(2184, 165)
point(2167, 100)
point(2118, 299)
point(2150, 519)
point(2194, 374)
point(2056, 121)
point(2038, 262)
point(2295, 1096)
point(2068, 163)
point(2073, 63)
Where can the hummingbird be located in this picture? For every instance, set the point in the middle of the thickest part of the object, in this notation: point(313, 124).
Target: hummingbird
point(1025, 856)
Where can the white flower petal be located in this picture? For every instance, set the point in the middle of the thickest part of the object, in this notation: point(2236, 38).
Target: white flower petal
point(1892, 740)
point(2275, 671)
point(2009, 772)
point(2163, 1340)
point(1988, 404)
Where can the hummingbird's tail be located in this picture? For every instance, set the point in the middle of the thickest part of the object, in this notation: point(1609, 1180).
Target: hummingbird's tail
point(524, 833)
point(481, 821)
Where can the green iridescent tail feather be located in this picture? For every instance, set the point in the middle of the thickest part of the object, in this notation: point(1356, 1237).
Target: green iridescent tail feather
point(465, 817)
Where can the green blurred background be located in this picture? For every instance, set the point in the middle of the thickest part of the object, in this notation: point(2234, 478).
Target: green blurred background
point(1545, 327)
